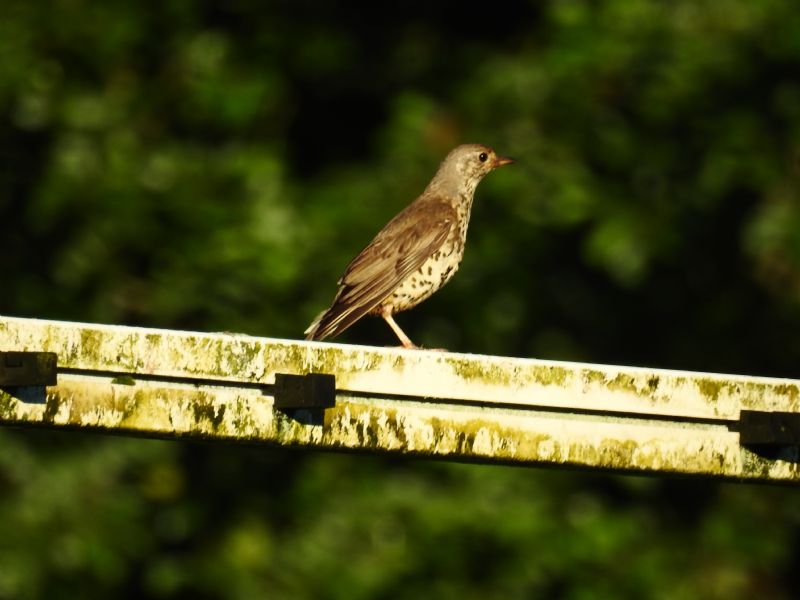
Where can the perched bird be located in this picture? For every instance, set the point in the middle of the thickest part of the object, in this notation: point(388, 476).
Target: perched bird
point(416, 253)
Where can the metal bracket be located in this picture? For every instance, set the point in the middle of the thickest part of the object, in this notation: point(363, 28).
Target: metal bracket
point(769, 428)
point(28, 368)
point(314, 390)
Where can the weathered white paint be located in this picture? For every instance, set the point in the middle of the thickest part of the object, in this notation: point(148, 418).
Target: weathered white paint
point(465, 407)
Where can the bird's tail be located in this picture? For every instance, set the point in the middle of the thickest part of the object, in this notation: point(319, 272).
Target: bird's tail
point(311, 332)
point(336, 319)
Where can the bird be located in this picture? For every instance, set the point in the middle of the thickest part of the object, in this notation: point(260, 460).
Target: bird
point(416, 253)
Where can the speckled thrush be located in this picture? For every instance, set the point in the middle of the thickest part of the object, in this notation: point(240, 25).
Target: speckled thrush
point(416, 253)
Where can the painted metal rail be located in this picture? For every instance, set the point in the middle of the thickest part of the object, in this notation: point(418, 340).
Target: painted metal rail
point(219, 386)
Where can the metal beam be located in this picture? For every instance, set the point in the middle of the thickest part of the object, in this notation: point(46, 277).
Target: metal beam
point(463, 407)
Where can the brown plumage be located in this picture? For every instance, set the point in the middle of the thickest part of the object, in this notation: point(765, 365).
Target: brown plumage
point(416, 253)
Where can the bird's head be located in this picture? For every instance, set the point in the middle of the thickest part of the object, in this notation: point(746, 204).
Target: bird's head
point(466, 165)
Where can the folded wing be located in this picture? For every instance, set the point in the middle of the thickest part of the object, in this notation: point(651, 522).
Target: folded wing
point(396, 252)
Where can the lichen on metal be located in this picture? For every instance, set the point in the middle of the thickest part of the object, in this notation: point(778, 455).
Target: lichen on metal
point(464, 407)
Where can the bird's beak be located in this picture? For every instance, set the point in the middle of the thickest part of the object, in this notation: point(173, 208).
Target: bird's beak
point(500, 161)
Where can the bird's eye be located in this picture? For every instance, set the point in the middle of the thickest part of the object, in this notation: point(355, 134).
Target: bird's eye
point(483, 156)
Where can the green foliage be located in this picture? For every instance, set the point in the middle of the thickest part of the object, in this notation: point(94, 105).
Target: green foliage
point(186, 164)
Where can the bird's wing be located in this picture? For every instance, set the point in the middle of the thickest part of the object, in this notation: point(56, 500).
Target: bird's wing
point(396, 252)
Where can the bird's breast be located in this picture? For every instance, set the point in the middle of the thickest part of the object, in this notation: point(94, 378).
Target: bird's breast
point(436, 271)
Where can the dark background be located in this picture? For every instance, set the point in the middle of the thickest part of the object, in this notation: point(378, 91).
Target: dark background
point(214, 166)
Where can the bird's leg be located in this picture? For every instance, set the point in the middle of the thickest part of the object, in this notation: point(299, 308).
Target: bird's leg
point(387, 316)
